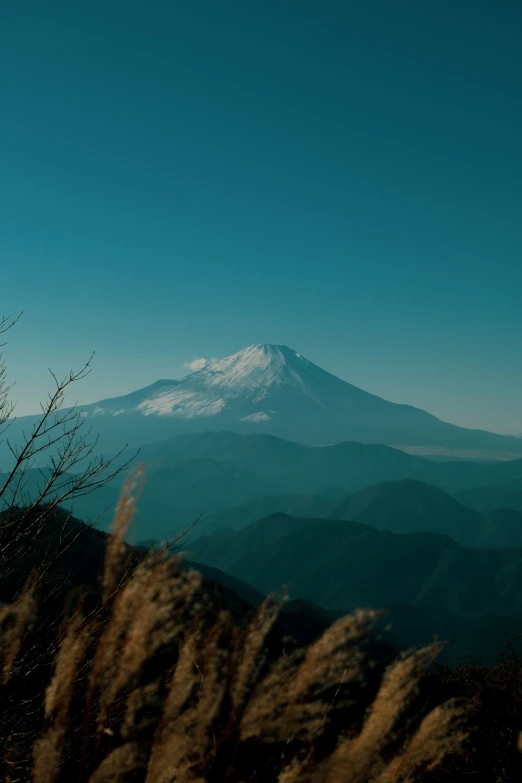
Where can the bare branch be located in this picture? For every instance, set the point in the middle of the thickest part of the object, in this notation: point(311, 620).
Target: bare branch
point(6, 323)
point(60, 437)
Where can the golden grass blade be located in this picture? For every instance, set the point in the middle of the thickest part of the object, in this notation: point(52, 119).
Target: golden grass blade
point(122, 765)
point(195, 702)
point(48, 749)
point(360, 759)
point(251, 653)
point(15, 620)
point(440, 734)
point(152, 610)
point(295, 699)
point(116, 547)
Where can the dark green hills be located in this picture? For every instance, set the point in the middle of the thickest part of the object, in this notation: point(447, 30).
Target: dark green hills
point(428, 582)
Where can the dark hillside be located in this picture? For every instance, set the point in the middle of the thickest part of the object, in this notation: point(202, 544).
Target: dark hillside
point(462, 593)
point(410, 506)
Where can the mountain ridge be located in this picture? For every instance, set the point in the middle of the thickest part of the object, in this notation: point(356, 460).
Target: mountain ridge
point(341, 565)
point(404, 506)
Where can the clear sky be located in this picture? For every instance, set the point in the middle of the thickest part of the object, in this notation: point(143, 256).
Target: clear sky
point(182, 179)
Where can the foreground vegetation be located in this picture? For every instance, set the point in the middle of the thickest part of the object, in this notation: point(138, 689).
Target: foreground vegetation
point(135, 669)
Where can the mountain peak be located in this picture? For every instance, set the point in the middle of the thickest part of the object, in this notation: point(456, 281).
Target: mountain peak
point(253, 371)
point(245, 378)
point(257, 355)
point(273, 389)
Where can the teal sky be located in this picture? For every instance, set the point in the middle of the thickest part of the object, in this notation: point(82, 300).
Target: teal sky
point(183, 179)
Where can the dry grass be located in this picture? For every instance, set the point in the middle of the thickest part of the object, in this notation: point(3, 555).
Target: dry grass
point(160, 683)
point(15, 621)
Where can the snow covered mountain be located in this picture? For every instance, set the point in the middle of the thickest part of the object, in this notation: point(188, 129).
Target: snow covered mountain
point(274, 390)
point(246, 378)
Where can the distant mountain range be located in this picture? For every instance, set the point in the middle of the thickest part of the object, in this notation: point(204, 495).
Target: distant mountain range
point(272, 389)
point(341, 565)
point(341, 525)
point(235, 479)
point(340, 468)
point(427, 582)
point(400, 507)
point(212, 472)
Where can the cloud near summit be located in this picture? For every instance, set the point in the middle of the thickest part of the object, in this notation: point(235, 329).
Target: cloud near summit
point(196, 364)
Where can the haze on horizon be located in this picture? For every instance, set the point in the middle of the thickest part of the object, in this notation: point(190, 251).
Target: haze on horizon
point(180, 181)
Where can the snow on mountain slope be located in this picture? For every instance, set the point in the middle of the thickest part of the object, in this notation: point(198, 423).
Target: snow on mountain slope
point(116, 406)
point(250, 374)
